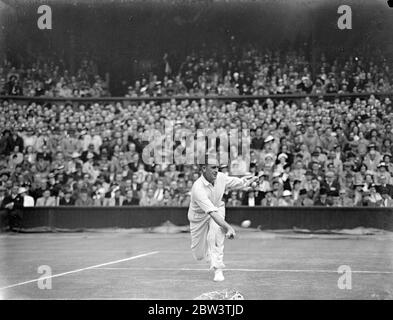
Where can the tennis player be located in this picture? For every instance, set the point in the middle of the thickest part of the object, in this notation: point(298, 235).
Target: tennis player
point(207, 215)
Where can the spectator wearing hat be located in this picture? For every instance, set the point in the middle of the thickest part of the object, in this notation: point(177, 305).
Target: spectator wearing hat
point(28, 201)
point(303, 200)
point(321, 199)
point(270, 148)
point(282, 159)
point(332, 198)
point(46, 200)
point(70, 165)
point(383, 172)
point(374, 199)
point(387, 199)
point(286, 199)
point(269, 200)
point(267, 165)
point(264, 184)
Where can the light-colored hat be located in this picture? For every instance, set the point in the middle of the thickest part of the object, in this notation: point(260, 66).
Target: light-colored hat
point(330, 174)
point(269, 138)
point(286, 193)
point(22, 190)
point(75, 155)
point(282, 155)
point(276, 174)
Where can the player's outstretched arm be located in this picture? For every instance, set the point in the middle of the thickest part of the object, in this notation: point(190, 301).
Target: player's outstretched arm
point(240, 183)
point(230, 232)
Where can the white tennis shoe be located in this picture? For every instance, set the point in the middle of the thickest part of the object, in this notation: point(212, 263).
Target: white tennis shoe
point(218, 275)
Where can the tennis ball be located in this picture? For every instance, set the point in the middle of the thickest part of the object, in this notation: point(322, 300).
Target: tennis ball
point(246, 223)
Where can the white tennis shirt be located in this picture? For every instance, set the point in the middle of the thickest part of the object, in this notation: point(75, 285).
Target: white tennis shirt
point(206, 197)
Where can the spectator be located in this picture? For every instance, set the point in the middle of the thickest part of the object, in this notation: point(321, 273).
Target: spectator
point(46, 200)
point(2, 195)
point(167, 199)
point(322, 199)
point(303, 200)
point(66, 198)
point(28, 201)
point(148, 199)
point(129, 199)
point(116, 198)
point(387, 199)
point(384, 185)
point(13, 203)
point(286, 199)
point(374, 199)
point(344, 200)
point(233, 201)
point(84, 199)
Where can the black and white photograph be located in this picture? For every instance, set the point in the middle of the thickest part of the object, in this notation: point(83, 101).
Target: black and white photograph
point(171, 150)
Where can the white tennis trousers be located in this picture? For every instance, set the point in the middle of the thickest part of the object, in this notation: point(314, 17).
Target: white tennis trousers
point(208, 242)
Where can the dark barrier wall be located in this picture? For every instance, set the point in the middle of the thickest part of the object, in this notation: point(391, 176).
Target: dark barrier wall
point(312, 218)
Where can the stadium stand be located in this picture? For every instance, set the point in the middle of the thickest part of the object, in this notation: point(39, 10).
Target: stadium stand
point(322, 138)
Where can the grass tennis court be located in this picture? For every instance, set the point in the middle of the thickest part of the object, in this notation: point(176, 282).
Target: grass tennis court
point(124, 265)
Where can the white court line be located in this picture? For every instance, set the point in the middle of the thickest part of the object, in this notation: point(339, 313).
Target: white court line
point(249, 270)
point(82, 269)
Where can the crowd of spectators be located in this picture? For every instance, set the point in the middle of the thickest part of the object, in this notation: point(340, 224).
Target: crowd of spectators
point(50, 77)
point(248, 71)
point(307, 152)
